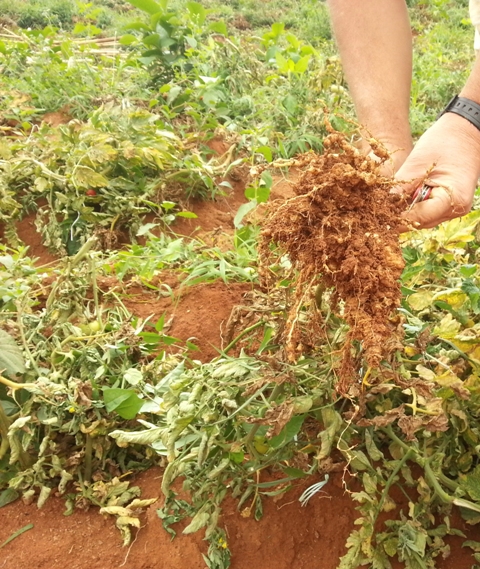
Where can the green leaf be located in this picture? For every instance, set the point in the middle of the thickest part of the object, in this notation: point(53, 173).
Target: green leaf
point(267, 180)
point(242, 212)
point(332, 422)
point(148, 6)
point(294, 472)
point(236, 457)
point(469, 287)
point(266, 151)
point(470, 483)
point(291, 104)
point(372, 448)
point(199, 521)
point(282, 62)
point(11, 357)
point(475, 545)
point(291, 429)
point(139, 26)
point(125, 402)
point(133, 376)
point(197, 11)
point(187, 214)
point(218, 28)
point(259, 194)
point(411, 538)
point(302, 64)
point(468, 270)
point(277, 28)
point(147, 437)
point(127, 39)
point(16, 534)
point(266, 339)
point(7, 496)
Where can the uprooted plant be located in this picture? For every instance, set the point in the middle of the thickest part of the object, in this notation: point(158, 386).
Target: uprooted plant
point(340, 231)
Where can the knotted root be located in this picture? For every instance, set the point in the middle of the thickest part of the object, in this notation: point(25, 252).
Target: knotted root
point(341, 230)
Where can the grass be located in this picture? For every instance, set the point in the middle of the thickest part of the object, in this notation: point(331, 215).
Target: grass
point(106, 15)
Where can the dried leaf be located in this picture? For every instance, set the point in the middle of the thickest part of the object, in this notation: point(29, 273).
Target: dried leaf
point(410, 424)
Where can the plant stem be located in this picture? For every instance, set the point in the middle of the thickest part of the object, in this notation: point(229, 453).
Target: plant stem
point(88, 459)
point(241, 335)
point(98, 311)
point(24, 340)
point(71, 263)
point(431, 477)
point(253, 431)
point(390, 480)
point(14, 385)
point(4, 425)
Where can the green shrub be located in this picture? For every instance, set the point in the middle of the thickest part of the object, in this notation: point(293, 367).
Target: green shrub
point(39, 14)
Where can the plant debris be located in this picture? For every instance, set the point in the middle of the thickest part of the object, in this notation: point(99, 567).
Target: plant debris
point(341, 231)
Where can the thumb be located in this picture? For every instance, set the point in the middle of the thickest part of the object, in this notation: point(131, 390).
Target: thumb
point(437, 208)
point(440, 205)
point(410, 178)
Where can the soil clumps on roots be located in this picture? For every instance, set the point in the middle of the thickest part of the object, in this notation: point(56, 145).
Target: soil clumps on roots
point(340, 231)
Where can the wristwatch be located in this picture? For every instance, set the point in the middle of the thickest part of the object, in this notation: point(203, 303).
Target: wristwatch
point(464, 107)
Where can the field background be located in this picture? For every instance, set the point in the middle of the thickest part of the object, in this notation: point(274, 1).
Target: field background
point(140, 146)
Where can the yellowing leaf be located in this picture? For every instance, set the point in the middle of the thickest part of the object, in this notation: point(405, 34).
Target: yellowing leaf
point(475, 352)
point(425, 373)
point(410, 351)
point(447, 379)
point(454, 297)
point(88, 178)
point(116, 511)
point(137, 503)
point(420, 300)
point(461, 345)
point(459, 230)
point(127, 521)
point(447, 328)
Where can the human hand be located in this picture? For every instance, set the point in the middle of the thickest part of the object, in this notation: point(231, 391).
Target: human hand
point(391, 165)
point(447, 157)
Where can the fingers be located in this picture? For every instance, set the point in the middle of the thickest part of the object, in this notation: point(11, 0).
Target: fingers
point(408, 188)
point(441, 206)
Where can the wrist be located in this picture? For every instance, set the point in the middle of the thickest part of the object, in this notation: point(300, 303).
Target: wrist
point(470, 94)
point(464, 107)
point(462, 126)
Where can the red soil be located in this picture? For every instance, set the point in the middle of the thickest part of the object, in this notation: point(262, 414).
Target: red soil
point(198, 314)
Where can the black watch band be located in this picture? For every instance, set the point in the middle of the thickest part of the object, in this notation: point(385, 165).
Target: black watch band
point(466, 108)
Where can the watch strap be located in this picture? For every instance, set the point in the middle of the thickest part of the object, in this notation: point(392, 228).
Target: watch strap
point(464, 107)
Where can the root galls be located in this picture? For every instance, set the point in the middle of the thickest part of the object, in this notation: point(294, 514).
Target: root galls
point(341, 230)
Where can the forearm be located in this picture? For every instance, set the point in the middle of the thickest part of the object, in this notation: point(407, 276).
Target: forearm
point(375, 44)
point(472, 86)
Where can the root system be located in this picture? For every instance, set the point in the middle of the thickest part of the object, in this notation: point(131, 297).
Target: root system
point(340, 232)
